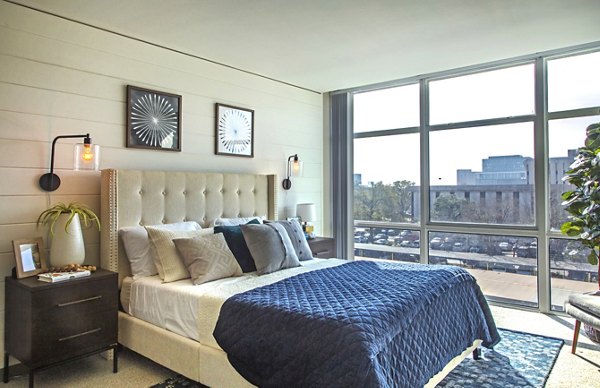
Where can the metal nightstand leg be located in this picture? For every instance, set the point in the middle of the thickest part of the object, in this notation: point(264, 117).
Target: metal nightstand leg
point(5, 377)
point(115, 359)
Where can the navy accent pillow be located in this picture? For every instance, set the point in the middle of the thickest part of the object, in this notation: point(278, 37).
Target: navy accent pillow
point(237, 245)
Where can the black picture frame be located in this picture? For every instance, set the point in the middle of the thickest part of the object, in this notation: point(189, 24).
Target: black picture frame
point(30, 259)
point(153, 119)
point(234, 131)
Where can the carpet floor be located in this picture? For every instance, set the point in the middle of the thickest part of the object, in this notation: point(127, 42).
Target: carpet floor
point(519, 360)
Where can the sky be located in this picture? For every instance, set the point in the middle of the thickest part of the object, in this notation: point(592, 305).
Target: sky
point(500, 93)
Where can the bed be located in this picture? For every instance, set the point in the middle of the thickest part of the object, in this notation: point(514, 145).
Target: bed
point(133, 198)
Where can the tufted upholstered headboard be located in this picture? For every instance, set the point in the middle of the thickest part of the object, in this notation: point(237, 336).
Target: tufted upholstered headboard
point(138, 197)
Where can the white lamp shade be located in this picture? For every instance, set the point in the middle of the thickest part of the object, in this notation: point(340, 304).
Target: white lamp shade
point(296, 168)
point(306, 211)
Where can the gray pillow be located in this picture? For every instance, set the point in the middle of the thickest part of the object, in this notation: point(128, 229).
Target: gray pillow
point(296, 235)
point(207, 258)
point(270, 247)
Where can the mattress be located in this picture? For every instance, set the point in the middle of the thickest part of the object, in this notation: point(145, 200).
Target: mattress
point(192, 310)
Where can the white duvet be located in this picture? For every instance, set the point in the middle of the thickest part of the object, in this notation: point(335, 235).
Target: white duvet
point(192, 311)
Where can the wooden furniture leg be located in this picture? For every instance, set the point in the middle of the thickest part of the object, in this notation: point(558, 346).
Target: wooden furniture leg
point(575, 336)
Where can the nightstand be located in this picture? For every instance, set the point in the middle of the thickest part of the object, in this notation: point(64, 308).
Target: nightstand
point(322, 247)
point(53, 323)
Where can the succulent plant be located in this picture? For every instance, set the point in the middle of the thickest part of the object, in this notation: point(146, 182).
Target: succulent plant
point(50, 215)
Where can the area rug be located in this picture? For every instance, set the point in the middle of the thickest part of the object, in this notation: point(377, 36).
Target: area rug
point(519, 360)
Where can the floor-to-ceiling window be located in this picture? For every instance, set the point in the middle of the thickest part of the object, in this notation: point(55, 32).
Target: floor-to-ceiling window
point(465, 168)
point(573, 101)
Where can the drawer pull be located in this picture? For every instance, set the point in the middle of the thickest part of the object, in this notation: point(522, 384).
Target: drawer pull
point(79, 335)
point(80, 301)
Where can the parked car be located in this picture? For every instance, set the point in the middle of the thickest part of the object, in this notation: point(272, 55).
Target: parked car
point(361, 240)
point(435, 243)
point(459, 247)
point(475, 249)
point(381, 241)
point(505, 246)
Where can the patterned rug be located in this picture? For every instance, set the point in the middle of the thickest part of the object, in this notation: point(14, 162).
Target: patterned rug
point(519, 360)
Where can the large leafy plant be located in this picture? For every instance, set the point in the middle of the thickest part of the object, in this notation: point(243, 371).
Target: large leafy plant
point(583, 202)
point(50, 215)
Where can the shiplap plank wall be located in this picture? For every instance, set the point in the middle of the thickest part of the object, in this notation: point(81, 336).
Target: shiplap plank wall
point(59, 77)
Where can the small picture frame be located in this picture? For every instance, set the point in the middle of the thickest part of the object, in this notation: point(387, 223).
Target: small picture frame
point(234, 131)
point(153, 119)
point(29, 257)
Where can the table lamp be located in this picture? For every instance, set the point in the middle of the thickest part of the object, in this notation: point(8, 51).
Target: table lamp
point(307, 212)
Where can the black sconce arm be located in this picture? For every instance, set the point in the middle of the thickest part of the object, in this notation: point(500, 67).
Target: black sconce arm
point(50, 181)
point(287, 182)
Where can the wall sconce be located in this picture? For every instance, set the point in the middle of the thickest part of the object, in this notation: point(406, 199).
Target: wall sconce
point(87, 157)
point(294, 168)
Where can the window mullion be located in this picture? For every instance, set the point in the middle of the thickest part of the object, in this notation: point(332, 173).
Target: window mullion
point(424, 193)
point(541, 182)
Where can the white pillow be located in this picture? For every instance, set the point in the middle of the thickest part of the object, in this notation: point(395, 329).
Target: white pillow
point(237, 221)
point(137, 246)
point(169, 264)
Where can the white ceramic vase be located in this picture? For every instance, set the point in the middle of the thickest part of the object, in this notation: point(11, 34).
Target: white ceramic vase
point(67, 246)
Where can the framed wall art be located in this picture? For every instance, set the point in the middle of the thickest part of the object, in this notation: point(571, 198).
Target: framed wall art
point(29, 257)
point(234, 131)
point(153, 119)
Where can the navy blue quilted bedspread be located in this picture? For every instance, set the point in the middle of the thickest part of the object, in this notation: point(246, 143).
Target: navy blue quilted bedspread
point(361, 324)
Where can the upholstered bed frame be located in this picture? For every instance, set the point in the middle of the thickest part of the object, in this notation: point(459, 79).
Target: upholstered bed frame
point(133, 197)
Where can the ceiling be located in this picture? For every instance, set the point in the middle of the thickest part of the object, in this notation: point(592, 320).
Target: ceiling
point(326, 45)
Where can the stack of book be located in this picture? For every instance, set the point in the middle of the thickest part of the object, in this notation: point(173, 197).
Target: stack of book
point(53, 277)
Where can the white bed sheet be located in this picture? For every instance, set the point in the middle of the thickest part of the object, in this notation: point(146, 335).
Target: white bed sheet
point(192, 310)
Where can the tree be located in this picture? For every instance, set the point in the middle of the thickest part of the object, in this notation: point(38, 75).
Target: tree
point(379, 202)
point(404, 199)
point(448, 207)
point(583, 202)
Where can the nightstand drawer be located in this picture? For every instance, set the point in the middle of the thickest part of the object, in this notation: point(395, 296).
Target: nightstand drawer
point(62, 338)
point(75, 300)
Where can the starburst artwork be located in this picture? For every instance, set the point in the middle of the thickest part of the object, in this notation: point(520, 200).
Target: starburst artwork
point(234, 131)
point(153, 119)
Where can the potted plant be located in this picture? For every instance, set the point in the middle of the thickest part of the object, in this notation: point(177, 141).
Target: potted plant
point(583, 202)
point(64, 223)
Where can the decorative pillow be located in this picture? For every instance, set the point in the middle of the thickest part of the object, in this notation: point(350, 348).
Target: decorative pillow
point(137, 246)
point(237, 221)
point(167, 260)
point(270, 247)
point(296, 235)
point(207, 258)
point(237, 244)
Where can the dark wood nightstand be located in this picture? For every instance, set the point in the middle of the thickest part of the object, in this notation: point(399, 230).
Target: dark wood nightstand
point(322, 247)
point(52, 323)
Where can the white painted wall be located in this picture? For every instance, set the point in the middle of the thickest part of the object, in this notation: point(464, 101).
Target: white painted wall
point(58, 77)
